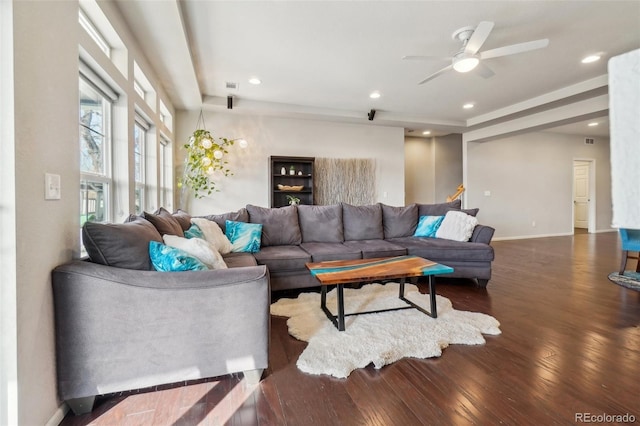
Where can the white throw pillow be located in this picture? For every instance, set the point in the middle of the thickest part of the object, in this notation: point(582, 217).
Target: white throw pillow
point(457, 226)
point(213, 234)
point(199, 248)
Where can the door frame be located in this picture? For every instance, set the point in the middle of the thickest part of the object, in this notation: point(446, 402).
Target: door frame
point(591, 211)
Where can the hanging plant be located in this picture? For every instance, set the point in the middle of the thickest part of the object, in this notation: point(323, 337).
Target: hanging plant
point(204, 161)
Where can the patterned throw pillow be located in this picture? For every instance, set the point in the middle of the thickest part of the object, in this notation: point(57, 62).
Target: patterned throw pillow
point(428, 226)
point(244, 237)
point(194, 232)
point(171, 259)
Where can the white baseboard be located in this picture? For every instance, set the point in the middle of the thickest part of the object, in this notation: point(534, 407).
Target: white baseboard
point(598, 231)
point(525, 237)
point(58, 416)
point(560, 234)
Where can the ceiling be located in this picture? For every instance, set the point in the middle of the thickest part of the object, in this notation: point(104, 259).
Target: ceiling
point(322, 59)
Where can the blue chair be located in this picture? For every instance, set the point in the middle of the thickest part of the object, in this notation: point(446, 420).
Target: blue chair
point(630, 242)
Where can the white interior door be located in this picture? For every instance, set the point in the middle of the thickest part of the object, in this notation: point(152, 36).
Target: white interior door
point(581, 194)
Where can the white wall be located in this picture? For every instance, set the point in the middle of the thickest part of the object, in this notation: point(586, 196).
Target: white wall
point(269, 136)
point(530, 178)
point(433, 168)
point(447, 163)
point(46, 140)
point(8, 325)
point(625, 136)
point(419, 170)
point(41, 128)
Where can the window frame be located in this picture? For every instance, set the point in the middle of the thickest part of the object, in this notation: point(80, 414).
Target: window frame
point(105, 178)
point(140, 186)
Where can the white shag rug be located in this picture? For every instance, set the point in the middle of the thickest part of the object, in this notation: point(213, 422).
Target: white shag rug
point(380, 338)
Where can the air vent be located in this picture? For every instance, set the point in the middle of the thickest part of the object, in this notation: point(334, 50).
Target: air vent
point(232, 86)
point(589, 141)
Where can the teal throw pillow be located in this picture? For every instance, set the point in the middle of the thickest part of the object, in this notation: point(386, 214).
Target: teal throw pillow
point(171, 259)
point(194, 232)
point(244, 237)
point(427, 226)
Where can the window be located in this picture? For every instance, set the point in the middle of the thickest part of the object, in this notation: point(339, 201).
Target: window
point(95, 154)
point(166, 177)
point(138, 88)
point(93, 32)
point(139, 141)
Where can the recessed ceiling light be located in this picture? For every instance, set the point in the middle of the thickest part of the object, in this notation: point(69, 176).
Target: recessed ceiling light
point(426, 132)
point(590, 58)
point(593, 124)
point(255, 80)
point(467, 106)
point(374, 95)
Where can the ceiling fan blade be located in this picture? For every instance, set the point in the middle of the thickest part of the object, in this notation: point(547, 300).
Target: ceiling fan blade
point(423, 58)
point(435, 74)
point(515, 48)
point(478, 37)
point(484, 71)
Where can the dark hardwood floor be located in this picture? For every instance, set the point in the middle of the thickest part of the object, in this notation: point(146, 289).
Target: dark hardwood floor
point(570, 344)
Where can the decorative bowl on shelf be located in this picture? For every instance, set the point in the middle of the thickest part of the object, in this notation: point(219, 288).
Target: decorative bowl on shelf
point(290, 188)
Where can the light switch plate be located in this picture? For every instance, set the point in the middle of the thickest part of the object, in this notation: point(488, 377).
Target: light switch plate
point(51, 186)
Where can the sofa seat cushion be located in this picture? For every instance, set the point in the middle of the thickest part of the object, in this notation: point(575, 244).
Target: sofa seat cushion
point(321, 252)
point(237, 260)
point(279, 225)
point(283, 258)
point(399, 221)
point(440, 250)
point(376, 248)
point(321, 224)
point(362, 222)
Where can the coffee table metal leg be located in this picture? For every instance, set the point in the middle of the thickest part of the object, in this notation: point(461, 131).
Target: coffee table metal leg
point(323, 305)
point(323, 297)
point(432, 297)
point(340, 307)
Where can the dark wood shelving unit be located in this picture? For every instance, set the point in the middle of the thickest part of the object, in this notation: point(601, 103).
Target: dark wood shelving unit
point(302, 176)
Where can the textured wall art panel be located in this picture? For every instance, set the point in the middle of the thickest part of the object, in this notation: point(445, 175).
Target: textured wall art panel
point(345, 180)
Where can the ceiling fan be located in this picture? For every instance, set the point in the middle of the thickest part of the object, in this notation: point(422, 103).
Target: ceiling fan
point(469, 56)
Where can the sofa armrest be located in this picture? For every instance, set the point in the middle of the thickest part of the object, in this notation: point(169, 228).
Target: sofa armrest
point(482, 234)
point(120, 329)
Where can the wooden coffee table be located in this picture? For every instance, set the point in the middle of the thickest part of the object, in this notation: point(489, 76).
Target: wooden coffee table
point(341, 272)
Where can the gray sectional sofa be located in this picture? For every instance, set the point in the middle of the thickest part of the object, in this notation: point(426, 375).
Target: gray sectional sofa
point(295, 235)
point(121, 325)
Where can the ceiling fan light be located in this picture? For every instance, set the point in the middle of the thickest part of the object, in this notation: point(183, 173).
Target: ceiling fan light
point(465, 64)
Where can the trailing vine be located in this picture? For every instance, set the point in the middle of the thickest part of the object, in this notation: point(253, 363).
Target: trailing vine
point(205, 160)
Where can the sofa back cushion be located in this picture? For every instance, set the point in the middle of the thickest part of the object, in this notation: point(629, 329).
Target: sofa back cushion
point(124, 245)
point(399, 221)
point(183, 218)
point(164, 222)
point(240, 216)
point(440, 209)
point(280, 226)
point(362, 222)
point(321, 224)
